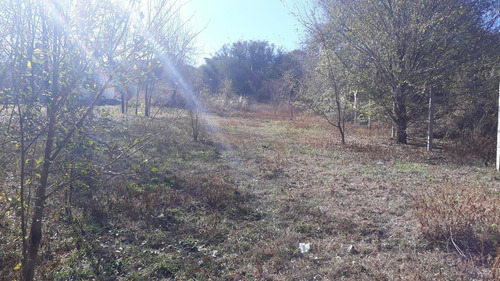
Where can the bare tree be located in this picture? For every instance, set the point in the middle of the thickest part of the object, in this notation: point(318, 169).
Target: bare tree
point(167, 45)
point(326, 88)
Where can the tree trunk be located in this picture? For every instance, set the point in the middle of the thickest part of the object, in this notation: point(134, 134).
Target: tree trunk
point(21, 184)
point(430, 129)
point(393, 127)
point(342, 134)
point(36, 224)
point(401, 131)
point(401, 119)
point(355, 107)
point(122, 94)
point(137, 99)
point(148, 98)
point(68, 197)
point(340, 116)
point(36, 230)
point(146, 101)
point(498, 131)
point(194, 115)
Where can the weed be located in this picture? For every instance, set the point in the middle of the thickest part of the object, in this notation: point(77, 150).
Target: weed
point(464, 218)
point(275, 167)
point(166, 269)
point(218, 192)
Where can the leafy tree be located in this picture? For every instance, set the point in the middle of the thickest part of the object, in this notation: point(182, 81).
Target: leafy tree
point(474, 103)
point(246, 64)
point(64, 65)
point(398, 50)
point(285, 88)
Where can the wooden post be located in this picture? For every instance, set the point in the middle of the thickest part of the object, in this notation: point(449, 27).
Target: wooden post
point(355, 107)
point(430, 128)
point(498, 131)
point(393, 128)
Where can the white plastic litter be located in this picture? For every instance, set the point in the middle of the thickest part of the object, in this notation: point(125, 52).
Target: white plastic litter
point(304, 247)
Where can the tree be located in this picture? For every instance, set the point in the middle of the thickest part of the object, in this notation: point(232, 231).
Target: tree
point(326, 87)
point(62, 56)
point(474, 102)
point(398, 50)
point(498, 132)
point(168, 43)
point(285, 88)
point(63, 67)
point(247, 64)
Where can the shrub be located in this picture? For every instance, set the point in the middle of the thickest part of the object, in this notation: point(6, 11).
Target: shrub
point(465, 218)
point(228, 103)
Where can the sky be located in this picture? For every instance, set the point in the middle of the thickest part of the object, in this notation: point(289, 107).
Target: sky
point(229, 21)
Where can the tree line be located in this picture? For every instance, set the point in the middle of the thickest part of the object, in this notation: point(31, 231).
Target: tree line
point(387, 60)
point(397, 54)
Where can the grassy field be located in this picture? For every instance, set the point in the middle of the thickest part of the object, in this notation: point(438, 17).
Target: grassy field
point(237, 204)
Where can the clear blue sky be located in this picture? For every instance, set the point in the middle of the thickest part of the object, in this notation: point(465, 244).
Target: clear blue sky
point(228, 21)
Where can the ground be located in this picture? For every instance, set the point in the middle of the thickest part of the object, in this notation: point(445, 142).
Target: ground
point(237, 204)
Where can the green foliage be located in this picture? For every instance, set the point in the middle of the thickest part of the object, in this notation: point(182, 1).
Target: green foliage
point(326, 89)
point(247, 65)
point(166, 270)
point(394, 52)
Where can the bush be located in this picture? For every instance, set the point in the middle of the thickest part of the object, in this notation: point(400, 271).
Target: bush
point(227, 103)
point(465, 218)
point(475, 132)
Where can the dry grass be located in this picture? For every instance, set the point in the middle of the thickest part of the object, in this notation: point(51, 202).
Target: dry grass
point(236, 205)
point(465, 218)
point(362, 194)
